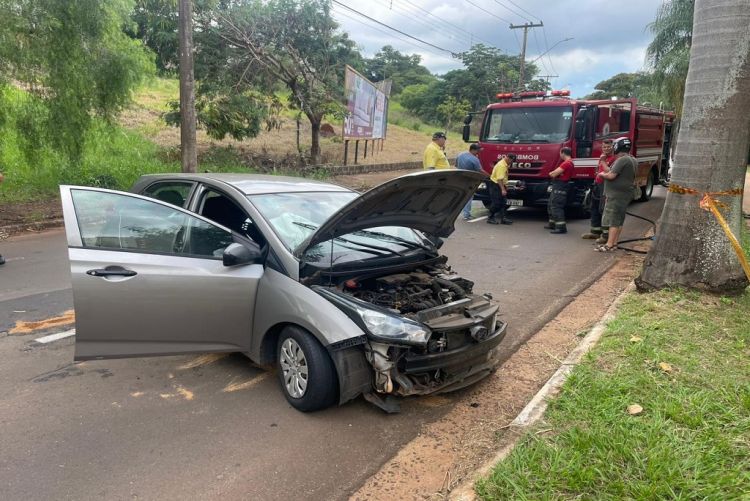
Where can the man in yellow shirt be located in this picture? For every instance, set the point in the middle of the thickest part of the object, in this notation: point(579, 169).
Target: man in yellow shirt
point(434, 154)
point(497, 186)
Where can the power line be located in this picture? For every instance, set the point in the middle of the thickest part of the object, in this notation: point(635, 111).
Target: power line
point(553, 46)
point(459, 38)
point(363, 23)
point(539, 48)
point(392, 28)
point(488, 12)
point(513, 11)
point(526, 11)
point(546, 46)
point(448, 23)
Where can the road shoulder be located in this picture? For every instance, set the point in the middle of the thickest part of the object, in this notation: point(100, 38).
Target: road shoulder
point(447, 452)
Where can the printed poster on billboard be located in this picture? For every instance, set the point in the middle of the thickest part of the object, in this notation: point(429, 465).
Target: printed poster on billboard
point(367, 108)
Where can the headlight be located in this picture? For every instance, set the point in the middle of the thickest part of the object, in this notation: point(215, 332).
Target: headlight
point(392, 328)
point(379, 324)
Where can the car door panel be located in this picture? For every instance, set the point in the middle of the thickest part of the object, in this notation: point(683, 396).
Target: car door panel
point(173, 301)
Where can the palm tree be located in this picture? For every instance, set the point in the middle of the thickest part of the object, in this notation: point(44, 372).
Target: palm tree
point(669, 52)
point(690, 247)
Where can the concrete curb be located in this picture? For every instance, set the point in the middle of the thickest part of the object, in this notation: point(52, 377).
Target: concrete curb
point(13, 229)
point(534, 410)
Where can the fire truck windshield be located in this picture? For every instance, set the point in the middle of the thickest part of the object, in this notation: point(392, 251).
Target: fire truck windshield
point(528, 125)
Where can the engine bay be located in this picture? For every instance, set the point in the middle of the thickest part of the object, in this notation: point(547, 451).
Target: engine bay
point(414, 292)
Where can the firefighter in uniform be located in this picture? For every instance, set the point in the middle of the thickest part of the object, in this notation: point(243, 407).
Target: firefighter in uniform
point(561, 185)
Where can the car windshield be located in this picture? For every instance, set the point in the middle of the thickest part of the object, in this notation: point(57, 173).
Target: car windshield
point(296, 216)
point(529, 125)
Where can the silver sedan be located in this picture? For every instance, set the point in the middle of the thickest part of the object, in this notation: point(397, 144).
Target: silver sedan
point(344, 294)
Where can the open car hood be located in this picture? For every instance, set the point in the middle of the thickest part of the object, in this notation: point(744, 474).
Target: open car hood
point(426, 201)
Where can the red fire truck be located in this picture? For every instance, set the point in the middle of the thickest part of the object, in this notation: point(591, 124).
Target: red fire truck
point(535, 125)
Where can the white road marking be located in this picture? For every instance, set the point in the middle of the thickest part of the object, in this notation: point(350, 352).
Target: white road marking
point(477, 219)
point(55, 337)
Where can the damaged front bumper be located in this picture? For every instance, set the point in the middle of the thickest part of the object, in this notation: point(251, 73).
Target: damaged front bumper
point(404, 372)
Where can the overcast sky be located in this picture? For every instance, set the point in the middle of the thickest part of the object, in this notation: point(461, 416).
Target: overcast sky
point(608, 37)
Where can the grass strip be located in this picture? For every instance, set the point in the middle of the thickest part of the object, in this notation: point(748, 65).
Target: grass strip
point(683, 357)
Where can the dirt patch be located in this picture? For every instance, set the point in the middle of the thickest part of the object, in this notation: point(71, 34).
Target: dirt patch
point(278, 147)
point(447, 451)
point(29, 216)
point(363, 182)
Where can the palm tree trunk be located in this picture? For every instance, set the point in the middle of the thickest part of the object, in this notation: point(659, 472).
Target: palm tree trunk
point(690, 247)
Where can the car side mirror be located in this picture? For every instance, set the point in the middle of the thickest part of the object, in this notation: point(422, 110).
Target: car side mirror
point(466, 133)
point(238, 254)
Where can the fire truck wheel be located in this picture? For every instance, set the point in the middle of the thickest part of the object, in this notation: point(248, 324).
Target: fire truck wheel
point(648, 190)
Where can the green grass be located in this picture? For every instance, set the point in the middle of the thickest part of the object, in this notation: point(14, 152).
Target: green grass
point(398, 115)
point(692, 440)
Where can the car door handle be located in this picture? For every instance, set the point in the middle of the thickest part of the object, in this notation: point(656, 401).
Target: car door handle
point(112, 271)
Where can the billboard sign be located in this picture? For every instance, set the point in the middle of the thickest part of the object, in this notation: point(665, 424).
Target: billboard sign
point(367, 107)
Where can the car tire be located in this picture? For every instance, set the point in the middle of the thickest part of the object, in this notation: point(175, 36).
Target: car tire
point(306, 372)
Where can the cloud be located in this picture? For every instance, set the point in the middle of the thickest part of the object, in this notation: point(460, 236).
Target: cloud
point(606, 41)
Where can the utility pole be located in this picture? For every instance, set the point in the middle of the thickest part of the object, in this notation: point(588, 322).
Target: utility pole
point(525, 27)
point(189, 154)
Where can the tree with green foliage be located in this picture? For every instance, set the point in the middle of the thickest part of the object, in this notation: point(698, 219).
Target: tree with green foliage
point(402, 69)
point(669, 51)
point(260, 45)
point(75, 59)
point(639, 85)
point(154, 22)
point(622, 85)
point(487, 72)
point(452, 110)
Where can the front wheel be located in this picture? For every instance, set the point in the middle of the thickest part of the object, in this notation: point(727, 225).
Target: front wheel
point(306, 372)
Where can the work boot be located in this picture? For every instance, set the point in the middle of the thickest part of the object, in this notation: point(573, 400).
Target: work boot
point(492, 220)
point(550, 226)
point(560, 228)
point(602, 239)
point(590, 236)
point(506, 221)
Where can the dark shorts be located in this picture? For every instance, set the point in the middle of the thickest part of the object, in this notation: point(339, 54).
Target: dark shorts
point(614, 210)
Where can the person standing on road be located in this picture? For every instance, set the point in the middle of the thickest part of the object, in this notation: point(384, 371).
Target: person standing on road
point(618, 189)
point(434, 154)
point(597, 231)
point(497, 186)
point(2, 259)
point(558, 199)
point(469, 160)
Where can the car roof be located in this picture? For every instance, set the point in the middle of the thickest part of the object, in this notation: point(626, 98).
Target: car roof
point(249, 184)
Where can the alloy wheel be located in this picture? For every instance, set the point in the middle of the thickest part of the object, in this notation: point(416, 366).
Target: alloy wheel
point(294, 368)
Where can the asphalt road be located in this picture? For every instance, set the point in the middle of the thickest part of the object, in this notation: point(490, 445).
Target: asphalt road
point(199, 427)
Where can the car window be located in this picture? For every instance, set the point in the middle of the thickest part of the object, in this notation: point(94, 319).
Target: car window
point(116, 221)
point(296, 216)
point(172, 192)
point(219, 207)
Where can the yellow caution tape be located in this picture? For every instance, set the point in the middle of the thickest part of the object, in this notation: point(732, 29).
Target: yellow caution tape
point(710, 203)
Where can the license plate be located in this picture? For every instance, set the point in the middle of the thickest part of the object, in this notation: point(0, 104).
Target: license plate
point(514, 202)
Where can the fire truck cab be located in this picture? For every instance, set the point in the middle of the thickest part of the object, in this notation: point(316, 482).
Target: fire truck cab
point(535, 125)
